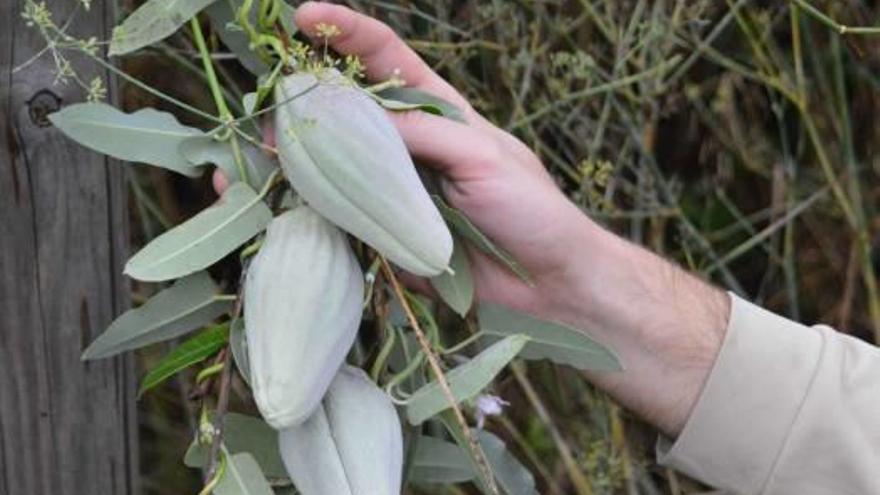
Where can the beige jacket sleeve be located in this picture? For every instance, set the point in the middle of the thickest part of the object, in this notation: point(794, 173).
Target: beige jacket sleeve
point(787, 409)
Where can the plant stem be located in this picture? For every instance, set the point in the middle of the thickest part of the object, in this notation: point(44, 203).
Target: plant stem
point(213, 83)
point(580, 482)
point(225, 383)
point(209, 372)
point(384, 352)
point(220, 413)
point(433, 362)
point(828, 21)
point(232, 97)
point(863, 240)
point(216, 478)
point(768, 231)
point(533, 457)
point(595, 90)
point(149, 89)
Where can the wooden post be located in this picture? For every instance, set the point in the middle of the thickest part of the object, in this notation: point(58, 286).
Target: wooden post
point(66, 427)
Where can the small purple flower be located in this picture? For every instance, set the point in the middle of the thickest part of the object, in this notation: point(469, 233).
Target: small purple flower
point(488, 405)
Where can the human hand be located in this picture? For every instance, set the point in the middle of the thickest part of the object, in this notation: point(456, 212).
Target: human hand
point(666, 325)
point(490, 175)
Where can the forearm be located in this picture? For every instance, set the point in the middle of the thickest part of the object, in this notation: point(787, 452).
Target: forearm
point(666, 325)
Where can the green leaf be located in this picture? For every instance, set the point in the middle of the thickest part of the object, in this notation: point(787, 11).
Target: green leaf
point(452, 425)
point(242, 433)
point(414, 99)
point(243, 477)
point(465, 381)
point(249, 102)
point(396, 314)
point(403, 354)
point(464, 227)
point(199, 150)
point(222, 15)
point(457, 288)
point(238, 344)
point(439, 461)
point(549, 340)
point(513, 478)
point(146, 136)
point(188, 304)
point(286, 18)
point(153, 21)
point(203, 239)
point(193, 351)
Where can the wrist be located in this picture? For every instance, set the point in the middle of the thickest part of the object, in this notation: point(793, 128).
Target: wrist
point(666, 325)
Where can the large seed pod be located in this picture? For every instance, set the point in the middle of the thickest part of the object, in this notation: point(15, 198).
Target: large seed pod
point(342, 153)
point(352, 445)
point(303, 301)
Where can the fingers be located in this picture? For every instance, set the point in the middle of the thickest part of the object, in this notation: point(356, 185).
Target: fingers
point(378, 47)
point(219, 181)
point(269, 133)
point(459, 151)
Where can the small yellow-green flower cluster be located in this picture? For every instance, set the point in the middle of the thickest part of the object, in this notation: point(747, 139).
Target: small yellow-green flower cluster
point(38, 16)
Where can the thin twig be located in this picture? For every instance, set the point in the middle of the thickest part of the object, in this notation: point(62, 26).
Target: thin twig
point(828, 21)
point(577, 477)
point(476, 449)
point(220, 413)
point(225, 382)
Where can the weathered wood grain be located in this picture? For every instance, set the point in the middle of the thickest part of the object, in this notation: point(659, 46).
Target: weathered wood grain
point(66, 427)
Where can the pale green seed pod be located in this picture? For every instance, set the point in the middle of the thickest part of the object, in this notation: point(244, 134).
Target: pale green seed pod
point(303, 303)
point(342, 153)
point(352, 445)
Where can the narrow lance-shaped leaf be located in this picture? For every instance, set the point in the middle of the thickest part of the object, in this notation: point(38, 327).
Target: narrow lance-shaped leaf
point(464, 227)
point(513, 478)
point(153, 21)
point(549, 340)
point(441, 462)
point(243, 477)
point(242, 433)
point(146, 136)
point(249, 102)
point(456, 288)
point(450, 421)
point(203, 239)
point(465, 381)
point(199, 150)
point(287, 18)
point(222, 13)
point(193, 351)
point(415, 99)
point(188, 304)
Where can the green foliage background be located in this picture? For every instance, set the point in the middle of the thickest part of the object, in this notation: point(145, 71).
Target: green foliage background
point(737, 138)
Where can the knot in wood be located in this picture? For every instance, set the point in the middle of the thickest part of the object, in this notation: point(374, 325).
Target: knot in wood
point(40, 105)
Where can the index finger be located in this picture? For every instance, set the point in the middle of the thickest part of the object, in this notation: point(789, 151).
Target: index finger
point(378, 47)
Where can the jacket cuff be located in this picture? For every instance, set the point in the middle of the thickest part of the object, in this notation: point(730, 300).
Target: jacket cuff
point(739, 426)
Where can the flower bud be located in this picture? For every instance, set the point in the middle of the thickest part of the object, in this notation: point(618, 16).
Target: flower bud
point(343, 154)
point(303, 304)
point(352, 445)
